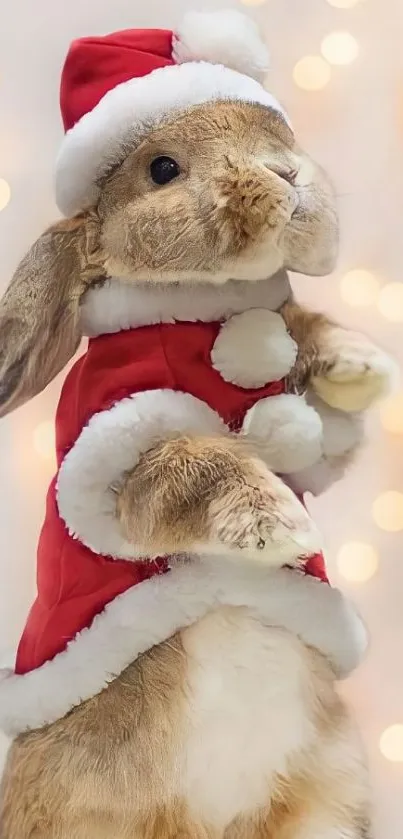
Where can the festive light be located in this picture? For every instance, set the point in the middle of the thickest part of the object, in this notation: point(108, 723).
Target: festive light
point(344, 4)
point(359, 288)
point(390, 302)
point(391, 743)
point(311, 73)
point(357, 561)
point(387, 511)
point(339, 48)
point(44, 439)
point(5, 193)
point(391, 412)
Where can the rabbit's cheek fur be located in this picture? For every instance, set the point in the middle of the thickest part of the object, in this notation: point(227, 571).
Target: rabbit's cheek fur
point(144, 242)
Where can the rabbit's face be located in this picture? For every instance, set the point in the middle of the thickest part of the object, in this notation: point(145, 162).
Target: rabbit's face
point(221, 193)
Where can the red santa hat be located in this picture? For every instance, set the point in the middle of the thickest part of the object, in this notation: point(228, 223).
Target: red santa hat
point(115, 88)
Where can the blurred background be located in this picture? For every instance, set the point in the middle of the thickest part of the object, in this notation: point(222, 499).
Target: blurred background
point(337, 65)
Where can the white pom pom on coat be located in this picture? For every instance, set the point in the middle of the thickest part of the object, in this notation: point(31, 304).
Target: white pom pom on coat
point(288, 431)
point(226, 37)
point(253, 349)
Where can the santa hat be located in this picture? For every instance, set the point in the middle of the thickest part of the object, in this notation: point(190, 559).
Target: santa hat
point(115, 88)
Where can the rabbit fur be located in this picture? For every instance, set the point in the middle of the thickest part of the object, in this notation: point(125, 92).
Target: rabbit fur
point(232, 727)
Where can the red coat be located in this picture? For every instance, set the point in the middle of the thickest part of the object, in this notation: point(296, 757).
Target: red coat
point(75, 584)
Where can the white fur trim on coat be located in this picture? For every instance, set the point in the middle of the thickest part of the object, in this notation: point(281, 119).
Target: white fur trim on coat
point(120, 304)
point(100, 139)
point(225, 37)
point(287, 431)
point(253, 349)
point(151, 612)
point(110, 445)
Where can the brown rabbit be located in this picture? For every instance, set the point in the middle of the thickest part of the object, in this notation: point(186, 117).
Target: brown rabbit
point(201, 701)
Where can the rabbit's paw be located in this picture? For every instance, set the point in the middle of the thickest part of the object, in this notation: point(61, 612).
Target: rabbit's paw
point(263, 518)
point(353, 372)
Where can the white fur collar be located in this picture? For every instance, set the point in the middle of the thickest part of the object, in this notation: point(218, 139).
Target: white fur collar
point(119, 304)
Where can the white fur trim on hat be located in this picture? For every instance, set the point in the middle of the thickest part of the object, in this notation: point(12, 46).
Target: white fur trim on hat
point(253, 349)
point(287, 431)
point(110, 445)
point(101, 138)
point(151, 612)
point(225, 37)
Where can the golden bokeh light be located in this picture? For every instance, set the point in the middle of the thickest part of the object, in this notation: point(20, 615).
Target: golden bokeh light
point(339, 48)
point(311, 73)
point(387, 511)
point(5, 193)
point(391, 743)
point(357, 562)
point(391, 412)
point(359, 288)
point(44, 439)
point(390, 302)
point(344, 4)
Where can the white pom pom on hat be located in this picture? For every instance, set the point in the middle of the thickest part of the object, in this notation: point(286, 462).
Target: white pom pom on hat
point(225, 37)
point(116, 87)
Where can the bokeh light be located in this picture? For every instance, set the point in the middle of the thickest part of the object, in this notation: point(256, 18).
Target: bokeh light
point(387, 511)
point(390, 302)
point(391, 412)
point(311, 73)
point(357, 562)
point(44, 439)
point(359, 288)
point(5, 193)
point(339, 48)
point(391, 743)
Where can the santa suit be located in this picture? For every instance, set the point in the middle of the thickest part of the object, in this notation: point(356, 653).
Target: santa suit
point(74, 582)
point(100, 603)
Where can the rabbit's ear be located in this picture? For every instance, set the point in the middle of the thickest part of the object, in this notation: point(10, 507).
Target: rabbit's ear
point(39, 313)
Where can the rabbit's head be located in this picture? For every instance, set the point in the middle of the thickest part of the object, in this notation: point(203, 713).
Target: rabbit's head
point(220, 192)
point(187, 174)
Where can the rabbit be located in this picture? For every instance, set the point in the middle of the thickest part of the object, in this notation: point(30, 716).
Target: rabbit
point(202, 699)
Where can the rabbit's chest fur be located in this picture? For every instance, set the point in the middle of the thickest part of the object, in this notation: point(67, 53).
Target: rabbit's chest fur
point(248, 690)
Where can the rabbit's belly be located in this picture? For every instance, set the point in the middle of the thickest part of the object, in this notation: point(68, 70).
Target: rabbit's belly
point(248, 690)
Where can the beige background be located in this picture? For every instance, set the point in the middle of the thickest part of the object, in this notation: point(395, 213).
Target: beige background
point(355, 127)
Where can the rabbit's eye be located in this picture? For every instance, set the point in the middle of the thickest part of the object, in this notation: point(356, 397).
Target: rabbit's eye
point(163, 170)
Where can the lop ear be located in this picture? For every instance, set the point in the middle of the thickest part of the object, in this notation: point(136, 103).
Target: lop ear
point(39, 313)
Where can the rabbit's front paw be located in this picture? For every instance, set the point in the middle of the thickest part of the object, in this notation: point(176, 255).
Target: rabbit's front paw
point(352, 372)
point(263, 518)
